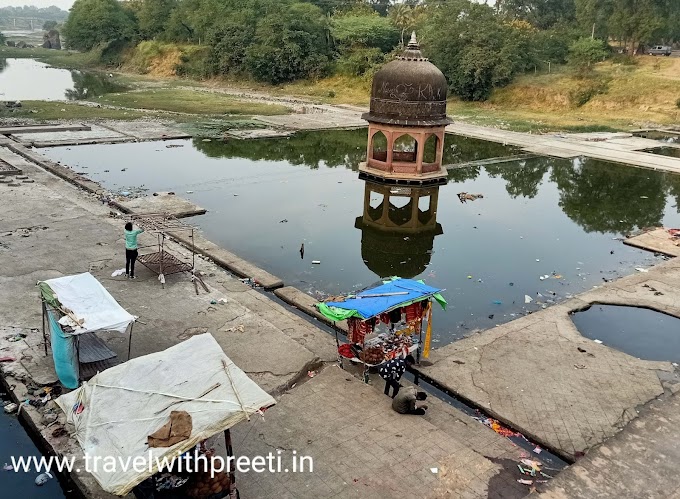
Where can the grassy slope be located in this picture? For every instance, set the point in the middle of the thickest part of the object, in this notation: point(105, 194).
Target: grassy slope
point(641, 95)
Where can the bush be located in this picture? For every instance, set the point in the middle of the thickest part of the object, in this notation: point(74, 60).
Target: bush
point(585, 52)
point(194, 63)
point(587, 90)
point(677, 103)
point(360, 61)
point(624, 60)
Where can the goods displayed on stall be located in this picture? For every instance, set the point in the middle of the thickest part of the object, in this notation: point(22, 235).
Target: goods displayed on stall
point(399, 306)
point(164, 405)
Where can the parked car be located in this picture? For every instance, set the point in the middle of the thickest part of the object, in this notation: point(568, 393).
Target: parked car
point(660, 50)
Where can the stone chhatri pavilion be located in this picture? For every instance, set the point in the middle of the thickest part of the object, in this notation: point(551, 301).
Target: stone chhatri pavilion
point(406, 121)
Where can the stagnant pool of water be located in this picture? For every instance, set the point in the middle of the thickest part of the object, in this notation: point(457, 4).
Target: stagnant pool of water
point(28, 79)
point(673, 152)
point(545, 228)
point(639, 332)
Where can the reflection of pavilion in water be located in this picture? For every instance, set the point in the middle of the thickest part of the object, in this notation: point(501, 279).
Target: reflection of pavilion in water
point(398, 228)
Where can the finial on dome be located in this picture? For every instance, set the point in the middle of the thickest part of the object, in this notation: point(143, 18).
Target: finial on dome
point(413, 43)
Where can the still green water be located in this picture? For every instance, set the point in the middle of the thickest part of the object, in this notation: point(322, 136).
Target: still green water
point(538, 218)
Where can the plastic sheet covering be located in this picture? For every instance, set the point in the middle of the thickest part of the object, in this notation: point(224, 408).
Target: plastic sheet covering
point(84, 295)
point(124, 404)
point(64, 353)
point(371, 302)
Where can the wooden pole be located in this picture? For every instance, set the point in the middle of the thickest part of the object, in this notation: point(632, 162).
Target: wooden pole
point(44, 311)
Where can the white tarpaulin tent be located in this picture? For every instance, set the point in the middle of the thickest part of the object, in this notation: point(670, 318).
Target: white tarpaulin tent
point(124, 404)
point(89, 301)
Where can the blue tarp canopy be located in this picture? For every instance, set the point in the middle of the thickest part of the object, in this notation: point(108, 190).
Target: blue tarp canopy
point(383, 298)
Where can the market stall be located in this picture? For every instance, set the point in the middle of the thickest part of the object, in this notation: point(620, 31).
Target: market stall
point(159, 406)
point(74, 309)
point(385, 321)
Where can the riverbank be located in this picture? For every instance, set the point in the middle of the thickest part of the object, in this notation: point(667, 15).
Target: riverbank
point(360, 447)
point(628, 103)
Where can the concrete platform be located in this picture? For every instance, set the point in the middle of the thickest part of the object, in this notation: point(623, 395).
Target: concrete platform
point(639, 462)
point(657, 240)
point(315, 120)
point(607, 148)
point(22, 129)
point(107, 132)
point(531, 374)
point(162, 202)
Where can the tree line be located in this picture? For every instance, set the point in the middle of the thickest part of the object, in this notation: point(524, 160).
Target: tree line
point(478, 46)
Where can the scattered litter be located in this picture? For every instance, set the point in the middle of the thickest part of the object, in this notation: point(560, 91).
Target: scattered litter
point(538, 260)
point(490, 316)
point(528, 299)
point(640, 269)
point(222, 301)
point(206, 140)
point(497, 302)
point(464, 197)
point(11, 407)
point(579, 366)
point(644, 197)
point(170, 146)
point(190, 192)
point(284, 221)
point(7, 359)
point(434, 470)
point(497, 427)
point(240, 329)
point(511, 284)
point(118, 272)
point(213, 302)
point(525, 482)
point(469, 277)
point(598, 341)
point(16, 337)
point(43, 478)
point(316, 262)
point(311, 374)
point(59, 432)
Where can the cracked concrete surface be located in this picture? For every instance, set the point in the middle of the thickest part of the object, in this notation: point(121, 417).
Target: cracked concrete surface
point(541, 376)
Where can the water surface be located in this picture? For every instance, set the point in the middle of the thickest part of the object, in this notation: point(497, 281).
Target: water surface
point(28, 79)
point(559, 220)
point(640, 332)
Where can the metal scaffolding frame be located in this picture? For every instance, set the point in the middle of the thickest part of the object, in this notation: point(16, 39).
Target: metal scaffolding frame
point(162, 262)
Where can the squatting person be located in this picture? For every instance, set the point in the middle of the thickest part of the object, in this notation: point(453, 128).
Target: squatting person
point(406, 401)
point(131, 249)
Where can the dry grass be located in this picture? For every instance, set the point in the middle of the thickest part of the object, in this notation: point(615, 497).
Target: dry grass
point(190, 102)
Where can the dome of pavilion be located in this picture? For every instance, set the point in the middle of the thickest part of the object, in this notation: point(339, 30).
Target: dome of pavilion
point(409, 91)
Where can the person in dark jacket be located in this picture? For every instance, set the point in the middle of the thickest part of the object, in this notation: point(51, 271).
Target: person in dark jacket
point(392, 372)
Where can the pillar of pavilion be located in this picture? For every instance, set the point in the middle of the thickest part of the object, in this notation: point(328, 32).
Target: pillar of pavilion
point(406, 122)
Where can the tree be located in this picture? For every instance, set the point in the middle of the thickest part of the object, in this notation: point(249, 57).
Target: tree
point(586, 51)
point(289, 43)
point(153, 16)
point(636, 22)
point(543, 14)
point(475, 49)
point(94, 22)
point(363, 31)
point(48, 25)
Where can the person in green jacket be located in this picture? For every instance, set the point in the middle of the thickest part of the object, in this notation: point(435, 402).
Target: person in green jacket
point(131, 249)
